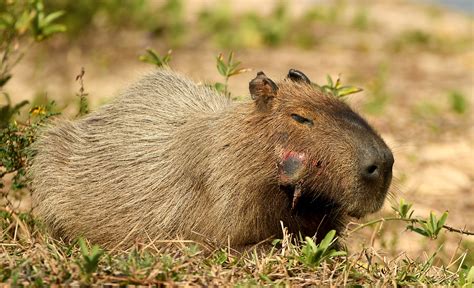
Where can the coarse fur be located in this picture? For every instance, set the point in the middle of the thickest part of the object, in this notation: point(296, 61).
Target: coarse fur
point(172, 159)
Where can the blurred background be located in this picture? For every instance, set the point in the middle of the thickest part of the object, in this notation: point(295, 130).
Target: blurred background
point(414, 60)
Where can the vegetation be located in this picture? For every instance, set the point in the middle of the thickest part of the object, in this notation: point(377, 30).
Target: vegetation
point(30, 257)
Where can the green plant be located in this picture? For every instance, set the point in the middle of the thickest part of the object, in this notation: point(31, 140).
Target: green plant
point(8, 111)
point(227, 69)
point(83, 102)
point(458, 102)
point(314, 254)
point(43, 25)
point(152, 57)
point(336, 89)
point(428, 227)
point(403, 209)
point(19, 20)
point(90, 259)
point(431, 227)
point(466, 277)
point(15, 140)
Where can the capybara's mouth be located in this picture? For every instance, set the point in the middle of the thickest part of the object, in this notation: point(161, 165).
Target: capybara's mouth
point(307, 201)
point(325, 204)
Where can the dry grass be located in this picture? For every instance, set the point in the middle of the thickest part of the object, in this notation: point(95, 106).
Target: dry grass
point(30, 257)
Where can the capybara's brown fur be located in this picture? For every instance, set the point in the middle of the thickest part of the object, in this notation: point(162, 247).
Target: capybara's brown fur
point(172, 159)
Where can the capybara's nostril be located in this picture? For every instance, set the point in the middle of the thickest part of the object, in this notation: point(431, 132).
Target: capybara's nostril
point(372, 169)
point(377, 165)
point(371, 172)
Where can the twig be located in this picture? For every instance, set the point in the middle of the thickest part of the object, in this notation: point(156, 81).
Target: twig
point(411, 220)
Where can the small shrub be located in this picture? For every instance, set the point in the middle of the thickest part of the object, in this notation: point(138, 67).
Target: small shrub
point(21, 22)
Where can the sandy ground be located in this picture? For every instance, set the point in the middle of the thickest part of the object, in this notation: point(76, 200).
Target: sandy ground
point(433, 146)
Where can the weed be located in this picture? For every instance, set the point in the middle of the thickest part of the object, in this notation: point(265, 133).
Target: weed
point(90, 259)
point(458, 102)
point(8, 111)
point(152, 57)
point(403, 209)
point(336, 88)
point(428, 227)
point(83, 102)
point(227, 69)
point(432, 227)
point(466, 277)
point(19, 20)
point(15, 140)
point(313, 254)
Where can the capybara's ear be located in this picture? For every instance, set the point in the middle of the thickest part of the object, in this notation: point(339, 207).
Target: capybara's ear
point(263, 90)
point(298, 76)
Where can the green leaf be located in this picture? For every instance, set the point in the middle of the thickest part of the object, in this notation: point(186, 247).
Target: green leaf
point(219, 87)
point(330, 82)
point(53, 29)
point(470, 277)
point(239, 71)
point(347, 90)
point(22, 24)
point(221, 67)
point(338, 82)
point(5, 79)
point(83, 247)
point(310, 243)
point(433, 222)
point(152, 57)
point(440, 223)
point(231, 57)
point(328, 239)
point(418, 230)
point(335, 253)
point(53, 16)
point(6, 21)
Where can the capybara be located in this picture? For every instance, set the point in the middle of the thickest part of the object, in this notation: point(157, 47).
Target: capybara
point(171, 159)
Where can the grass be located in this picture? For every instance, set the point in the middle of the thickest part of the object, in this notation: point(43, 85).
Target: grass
point(31, 258)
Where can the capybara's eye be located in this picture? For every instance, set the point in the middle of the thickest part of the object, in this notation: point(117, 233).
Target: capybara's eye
point(302, 120)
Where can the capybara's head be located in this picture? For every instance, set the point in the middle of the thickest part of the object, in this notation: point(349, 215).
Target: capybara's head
point(328, 156)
